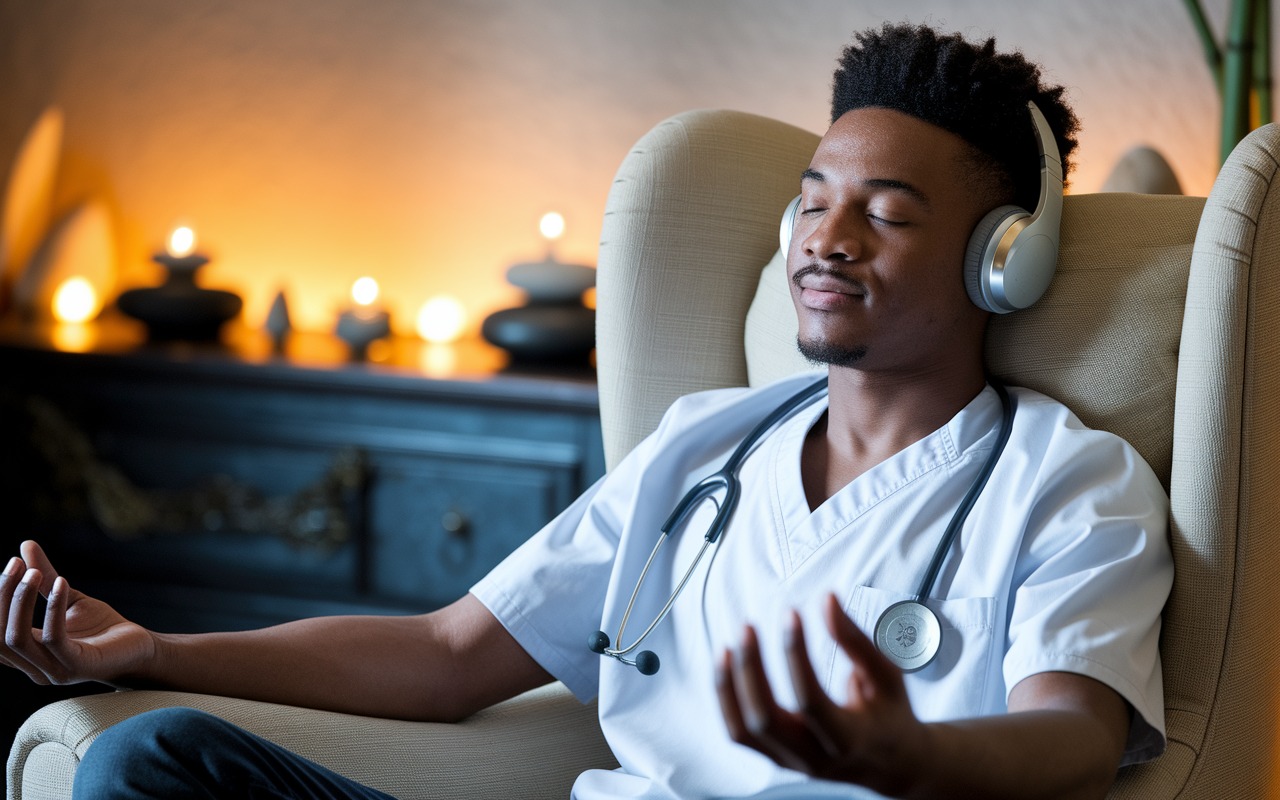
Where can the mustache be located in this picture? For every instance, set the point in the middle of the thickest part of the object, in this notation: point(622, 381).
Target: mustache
point(818, 269)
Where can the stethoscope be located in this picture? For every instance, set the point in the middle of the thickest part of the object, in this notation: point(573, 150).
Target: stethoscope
point(908, 633)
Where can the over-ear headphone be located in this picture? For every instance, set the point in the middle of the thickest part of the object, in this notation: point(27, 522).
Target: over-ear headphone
point(1012, 253)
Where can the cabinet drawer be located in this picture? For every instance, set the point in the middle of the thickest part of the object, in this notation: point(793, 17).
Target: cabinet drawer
point(439, 526)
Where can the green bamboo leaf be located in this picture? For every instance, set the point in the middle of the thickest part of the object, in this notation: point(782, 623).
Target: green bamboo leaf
point(1236, 76)
point(1262, 58)
point(1212, 54)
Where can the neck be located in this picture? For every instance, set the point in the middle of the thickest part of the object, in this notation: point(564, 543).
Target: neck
point(873, 415)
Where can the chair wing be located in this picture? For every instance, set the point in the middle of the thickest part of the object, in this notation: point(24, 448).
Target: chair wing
point(692, 216)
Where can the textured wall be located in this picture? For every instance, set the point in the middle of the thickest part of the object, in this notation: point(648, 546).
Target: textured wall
point(312, 141)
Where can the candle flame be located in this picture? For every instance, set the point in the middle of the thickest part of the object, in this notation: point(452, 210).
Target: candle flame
point(551, 225)
point(364, 291)
point(182, 242)
point(441, 319)
point(75, 301)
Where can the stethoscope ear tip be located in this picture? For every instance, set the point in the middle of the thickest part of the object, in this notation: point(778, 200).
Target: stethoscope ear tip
point(598, 642)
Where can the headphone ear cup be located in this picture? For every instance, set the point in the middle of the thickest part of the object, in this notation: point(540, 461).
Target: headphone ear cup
point(973, 254)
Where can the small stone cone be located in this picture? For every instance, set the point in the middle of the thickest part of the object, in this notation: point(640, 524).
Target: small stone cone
point(278, 324)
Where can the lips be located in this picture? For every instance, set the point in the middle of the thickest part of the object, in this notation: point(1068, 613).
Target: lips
point(825, 290)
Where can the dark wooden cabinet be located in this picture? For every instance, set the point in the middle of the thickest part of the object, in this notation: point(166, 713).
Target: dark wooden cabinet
point(453, 474)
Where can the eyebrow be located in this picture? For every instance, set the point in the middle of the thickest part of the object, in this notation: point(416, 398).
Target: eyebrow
point(875, 183)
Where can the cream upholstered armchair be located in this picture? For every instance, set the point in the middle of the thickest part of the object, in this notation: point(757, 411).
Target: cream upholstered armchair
point(1160, 326)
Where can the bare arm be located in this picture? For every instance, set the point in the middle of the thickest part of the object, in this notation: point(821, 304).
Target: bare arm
point(1063, 737)
point(441, 666)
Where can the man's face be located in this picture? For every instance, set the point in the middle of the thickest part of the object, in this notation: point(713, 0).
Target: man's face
point(876, 259)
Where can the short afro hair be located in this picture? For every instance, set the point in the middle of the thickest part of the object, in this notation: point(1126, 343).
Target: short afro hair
point(964, 88)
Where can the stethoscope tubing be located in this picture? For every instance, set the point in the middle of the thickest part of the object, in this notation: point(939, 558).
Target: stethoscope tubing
point(726, 478)
point(1008, 407)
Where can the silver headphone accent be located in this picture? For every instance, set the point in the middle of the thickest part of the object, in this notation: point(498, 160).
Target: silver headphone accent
point(1012, 253)
point(789, 223)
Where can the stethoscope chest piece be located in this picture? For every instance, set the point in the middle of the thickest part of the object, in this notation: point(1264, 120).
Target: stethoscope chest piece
point(908, 634)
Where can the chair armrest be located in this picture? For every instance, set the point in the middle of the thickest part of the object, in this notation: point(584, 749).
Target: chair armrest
point(531, 746)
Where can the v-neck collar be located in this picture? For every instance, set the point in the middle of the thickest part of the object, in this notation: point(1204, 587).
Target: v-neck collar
point(802, 532)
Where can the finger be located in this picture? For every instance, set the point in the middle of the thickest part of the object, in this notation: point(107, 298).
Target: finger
point(54, 632)
point(17, 635)
point(815, 706)
point(778, 733)
point(9, 580)
point(728, 697)
point(873, 671)
point(759, 707)
point(35, 557)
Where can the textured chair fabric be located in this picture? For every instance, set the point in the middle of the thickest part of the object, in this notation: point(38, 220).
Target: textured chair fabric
point(532, 746)
point(692, 216)
point(1162, 325)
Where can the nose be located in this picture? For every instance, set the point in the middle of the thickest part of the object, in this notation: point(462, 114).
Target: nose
point(836, 235)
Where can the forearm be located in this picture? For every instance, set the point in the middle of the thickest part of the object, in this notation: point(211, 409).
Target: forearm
point(441, 667)
point(1056, 754)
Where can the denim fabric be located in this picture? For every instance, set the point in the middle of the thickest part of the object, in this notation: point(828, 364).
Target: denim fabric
point(177, 753)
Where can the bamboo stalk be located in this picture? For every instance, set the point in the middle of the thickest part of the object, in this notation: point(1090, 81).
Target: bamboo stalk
point(1262, 59)
point(1211, 52)
point(1236, 82)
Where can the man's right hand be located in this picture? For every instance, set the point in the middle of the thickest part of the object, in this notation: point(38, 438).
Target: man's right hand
point(439, 667)
point(83, 639)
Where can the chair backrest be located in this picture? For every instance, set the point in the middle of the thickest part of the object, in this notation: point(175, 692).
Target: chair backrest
point(1161, 326)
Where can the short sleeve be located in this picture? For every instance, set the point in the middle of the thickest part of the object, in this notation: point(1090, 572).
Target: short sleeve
point(549, 594)
point(1093, 576)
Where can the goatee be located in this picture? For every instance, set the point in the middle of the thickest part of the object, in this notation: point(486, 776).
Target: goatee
point(830, 354)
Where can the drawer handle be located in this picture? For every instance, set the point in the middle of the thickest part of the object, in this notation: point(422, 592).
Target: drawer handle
point(454, 523)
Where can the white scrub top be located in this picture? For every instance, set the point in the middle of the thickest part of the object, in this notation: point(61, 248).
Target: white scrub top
point(1063, 565)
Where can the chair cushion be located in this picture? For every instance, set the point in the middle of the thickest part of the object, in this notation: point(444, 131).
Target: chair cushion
point(1104, 338)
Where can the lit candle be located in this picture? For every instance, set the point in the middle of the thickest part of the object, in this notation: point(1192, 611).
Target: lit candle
point(364, 323)
point(182, 242)
point(364, 291)
point(75, 301)
point(551, 225)
point(441, 319)
point(179, 308)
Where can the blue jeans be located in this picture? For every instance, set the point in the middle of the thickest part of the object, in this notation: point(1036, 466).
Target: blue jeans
point(184, 753)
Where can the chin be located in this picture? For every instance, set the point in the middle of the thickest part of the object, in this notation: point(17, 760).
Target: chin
point(823, 351)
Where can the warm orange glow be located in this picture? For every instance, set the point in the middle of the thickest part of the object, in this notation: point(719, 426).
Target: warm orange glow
point(380, 350)
point(589, 298)
point(438, 360)
point(441, 319)
point(364, 291)
point(182, 242)
point(74, 337)
point(551, 225)
point(75, 301)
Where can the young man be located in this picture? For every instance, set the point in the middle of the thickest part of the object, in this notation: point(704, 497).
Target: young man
point(1049, 600)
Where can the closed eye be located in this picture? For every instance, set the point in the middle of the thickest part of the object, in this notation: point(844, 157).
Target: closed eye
point(884, 221)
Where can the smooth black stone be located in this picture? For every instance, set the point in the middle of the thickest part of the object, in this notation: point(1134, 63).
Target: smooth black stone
point(543, 332)
point(179, 309)
point(180, 312)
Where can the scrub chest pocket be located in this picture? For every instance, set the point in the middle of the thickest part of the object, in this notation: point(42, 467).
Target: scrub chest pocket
point(957, 676)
